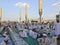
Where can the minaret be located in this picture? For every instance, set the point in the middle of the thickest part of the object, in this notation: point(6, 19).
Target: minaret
point(20, 14)
point(0, 15)
point(26, 13)
point(40, 9)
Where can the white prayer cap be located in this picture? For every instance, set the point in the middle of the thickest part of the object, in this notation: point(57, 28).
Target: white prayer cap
point(21, 29)
point(44, 34)
point(5, 32)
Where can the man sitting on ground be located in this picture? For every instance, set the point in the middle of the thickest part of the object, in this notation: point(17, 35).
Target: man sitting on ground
point(22, 33)
point(33, 33)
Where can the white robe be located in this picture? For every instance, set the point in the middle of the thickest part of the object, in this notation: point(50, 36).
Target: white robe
point(34, 26)
point(33, 34)
point(3, 43)
point(57, 28)
point(6, 38)
point(26, 30)
point(18, 26)
point(30, 32)
point(53, 44)
point(23, 34)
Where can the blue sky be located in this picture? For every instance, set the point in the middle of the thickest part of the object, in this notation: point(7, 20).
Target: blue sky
point(11, 12)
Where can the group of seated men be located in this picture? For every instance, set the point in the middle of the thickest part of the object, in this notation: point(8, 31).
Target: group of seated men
point(25, 32)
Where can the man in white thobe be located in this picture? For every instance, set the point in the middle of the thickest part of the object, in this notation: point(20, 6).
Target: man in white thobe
point(22, 33)
point(33, 34)
point(57, 28)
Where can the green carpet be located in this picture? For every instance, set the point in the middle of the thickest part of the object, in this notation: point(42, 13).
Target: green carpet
point(29, 39)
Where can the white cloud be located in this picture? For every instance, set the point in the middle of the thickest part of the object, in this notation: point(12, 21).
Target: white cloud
point(20, 4)
point(56, 4)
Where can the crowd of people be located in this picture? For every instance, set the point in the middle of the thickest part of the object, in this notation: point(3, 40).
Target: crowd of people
point(49, 33)
point(5, 34)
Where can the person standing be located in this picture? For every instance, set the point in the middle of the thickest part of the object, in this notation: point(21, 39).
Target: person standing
point(57, 28)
